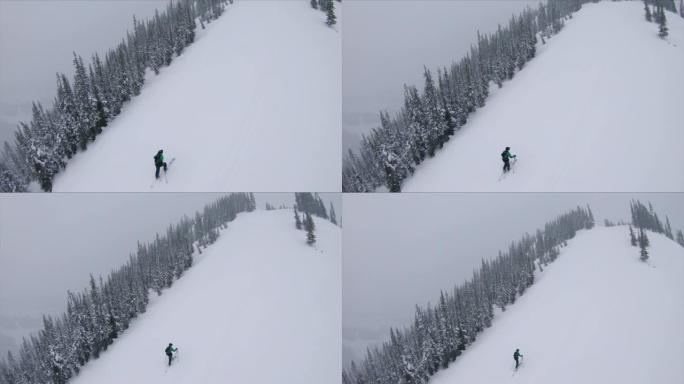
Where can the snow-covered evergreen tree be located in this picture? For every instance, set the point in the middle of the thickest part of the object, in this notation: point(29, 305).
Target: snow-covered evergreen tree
point(86, 114)
point(309, 226)
point(333, 217)
point(643, 244)
point(298, 221)
point(331, 19)
point(667, 230)
point(646, 217)
point(310, 203)
point(662, 22)
point(680, 237)
point(647, 11)
point(436, 125)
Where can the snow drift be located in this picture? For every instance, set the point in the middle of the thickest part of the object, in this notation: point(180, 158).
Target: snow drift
point(253, 105)
point(595, 315)
point(598, 109)
point(259, 306)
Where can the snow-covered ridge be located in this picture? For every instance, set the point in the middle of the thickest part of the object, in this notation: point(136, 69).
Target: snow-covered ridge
point(440, 332)
point(253, 104)
point(257, 296)
point(596, 315)
point(598, 109)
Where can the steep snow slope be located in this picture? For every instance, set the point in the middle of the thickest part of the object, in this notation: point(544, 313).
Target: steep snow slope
point(599, 108)
point(253, 105)
point(596, 315)
point(260, 306)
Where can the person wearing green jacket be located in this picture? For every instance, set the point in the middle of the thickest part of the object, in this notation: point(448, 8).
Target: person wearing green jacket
point(506, 156)
point(170, 350)
point(516, 356)
point(159, 162)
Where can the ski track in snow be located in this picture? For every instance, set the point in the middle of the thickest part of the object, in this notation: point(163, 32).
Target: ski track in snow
point(599, 108)
point(253, 105)
point(595, 315)
point(259, 306)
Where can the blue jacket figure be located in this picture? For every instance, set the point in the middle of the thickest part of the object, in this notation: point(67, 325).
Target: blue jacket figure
point(170, 350)
point(506, 156)
point(516, 356)
point(159, 162)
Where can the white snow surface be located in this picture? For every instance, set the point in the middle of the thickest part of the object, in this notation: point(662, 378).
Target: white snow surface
point(596, 315)
point(260, 306)
point(253, 105)
point(599, 108)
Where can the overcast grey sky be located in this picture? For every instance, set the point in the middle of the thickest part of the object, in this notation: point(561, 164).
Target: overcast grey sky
point(37, 39)
point(402, 249)
point(385, 44)
point(51, 243)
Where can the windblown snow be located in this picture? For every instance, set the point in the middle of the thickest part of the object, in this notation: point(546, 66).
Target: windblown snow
point(599, 108)
point(595, 315)
point(253, 105)
point(259, 306)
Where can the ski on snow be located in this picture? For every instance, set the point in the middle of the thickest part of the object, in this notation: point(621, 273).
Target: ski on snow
point(166, 179)
point(512, 170)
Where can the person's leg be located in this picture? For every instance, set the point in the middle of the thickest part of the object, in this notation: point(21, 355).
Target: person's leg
point(156, 173)
point(169, 355)
point(164, 166)
point(516, 363)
